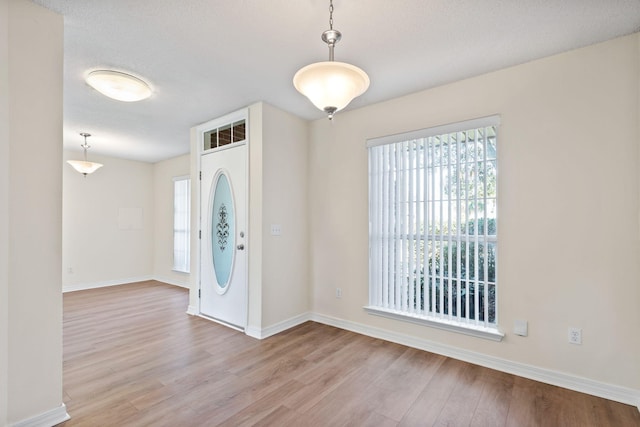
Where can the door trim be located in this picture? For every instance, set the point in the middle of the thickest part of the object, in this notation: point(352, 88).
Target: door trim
point(200, 130)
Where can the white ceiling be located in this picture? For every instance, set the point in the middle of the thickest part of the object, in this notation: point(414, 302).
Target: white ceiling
point(205, 58)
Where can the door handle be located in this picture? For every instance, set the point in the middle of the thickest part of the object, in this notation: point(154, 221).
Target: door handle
point(240, 247)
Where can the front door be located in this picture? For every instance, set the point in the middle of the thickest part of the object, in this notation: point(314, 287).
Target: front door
point(223, 252)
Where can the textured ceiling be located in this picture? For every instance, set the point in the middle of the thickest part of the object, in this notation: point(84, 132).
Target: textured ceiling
point(205, 58)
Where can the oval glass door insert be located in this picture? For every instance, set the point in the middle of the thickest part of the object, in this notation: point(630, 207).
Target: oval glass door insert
point(222, 231)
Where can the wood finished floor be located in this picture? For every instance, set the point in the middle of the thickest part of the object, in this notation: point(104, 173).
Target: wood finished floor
point(132, 357)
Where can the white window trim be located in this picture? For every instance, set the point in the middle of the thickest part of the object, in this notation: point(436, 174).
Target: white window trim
point(472, 329)
point(436, 130)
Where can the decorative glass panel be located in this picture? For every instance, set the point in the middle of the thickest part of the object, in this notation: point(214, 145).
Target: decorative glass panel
point(222, 231)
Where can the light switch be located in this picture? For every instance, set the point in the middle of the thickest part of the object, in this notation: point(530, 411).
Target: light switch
point(276, 230)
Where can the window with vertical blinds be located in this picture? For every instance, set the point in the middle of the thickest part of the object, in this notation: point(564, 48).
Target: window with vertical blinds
point(181, 224)
point(433, 227)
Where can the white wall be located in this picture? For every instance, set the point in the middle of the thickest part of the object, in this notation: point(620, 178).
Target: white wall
point(569, 238)
point(32, 376)
point(163, 174)
point(100, 245)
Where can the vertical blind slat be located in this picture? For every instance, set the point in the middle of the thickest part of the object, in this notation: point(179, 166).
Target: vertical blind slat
point(434, 245)
point(476, 246)
point(424, 288)
point(450, 224)
point(398, 226)
point(466, 222)
point(404, 211)
point(386, 227)
point(485, 273)
point(412, 237)
point(458, 227)
point(440, 199)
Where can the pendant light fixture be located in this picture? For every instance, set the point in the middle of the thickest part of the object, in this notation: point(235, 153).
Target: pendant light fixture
point(85, 167)
point(331, 85)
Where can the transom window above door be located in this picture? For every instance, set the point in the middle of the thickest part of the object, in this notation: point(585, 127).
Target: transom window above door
point(225, 135)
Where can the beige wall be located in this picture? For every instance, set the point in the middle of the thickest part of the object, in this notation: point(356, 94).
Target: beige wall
point(163, 174)
point(33, 374)
point(255, 262)
point(278, 265)
point(4, 204)
point(569, 239)
point(91, 207)
point(285, 288)
point(100, 246)
point(194, 277)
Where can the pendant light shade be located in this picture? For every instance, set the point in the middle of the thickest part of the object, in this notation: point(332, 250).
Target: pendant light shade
point(85, 167)
point(331, 85)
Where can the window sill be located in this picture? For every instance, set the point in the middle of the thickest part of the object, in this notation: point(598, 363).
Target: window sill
point(473, 330)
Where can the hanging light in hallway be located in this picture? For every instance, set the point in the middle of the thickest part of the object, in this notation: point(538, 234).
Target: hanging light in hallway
point(85, 167)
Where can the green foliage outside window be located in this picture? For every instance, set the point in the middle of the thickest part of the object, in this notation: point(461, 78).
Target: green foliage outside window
point(452, 267)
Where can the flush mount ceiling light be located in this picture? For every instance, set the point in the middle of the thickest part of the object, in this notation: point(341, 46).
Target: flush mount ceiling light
point(117, 85)
point(331, 85)
point(84, 166)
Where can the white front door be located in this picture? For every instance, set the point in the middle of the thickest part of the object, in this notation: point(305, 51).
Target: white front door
point(223, 252)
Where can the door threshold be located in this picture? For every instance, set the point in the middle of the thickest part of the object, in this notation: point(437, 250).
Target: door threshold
point(222, 322)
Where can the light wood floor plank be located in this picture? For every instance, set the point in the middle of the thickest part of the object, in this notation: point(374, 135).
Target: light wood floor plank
point(132, 357)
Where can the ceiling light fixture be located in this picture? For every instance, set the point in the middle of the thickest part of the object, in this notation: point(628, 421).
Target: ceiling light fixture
point(117, 85)
point(331, 85)
point(84, 166)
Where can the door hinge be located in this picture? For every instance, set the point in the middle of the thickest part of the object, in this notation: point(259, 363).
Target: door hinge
point(199, 293)
point(199, 234)
point(200, 175)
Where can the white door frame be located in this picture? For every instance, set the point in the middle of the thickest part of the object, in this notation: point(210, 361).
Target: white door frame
point(201, 129)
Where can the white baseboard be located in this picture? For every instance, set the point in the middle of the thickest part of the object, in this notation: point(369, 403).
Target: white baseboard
point(46, 419)
point(179, 283)
point(278, 327)
point(192, 310)
point(584, 385)
point(117, 282)
point(105, 283)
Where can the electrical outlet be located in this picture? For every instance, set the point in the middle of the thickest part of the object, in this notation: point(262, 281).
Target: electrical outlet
point(575, 335)
point(338, 293)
